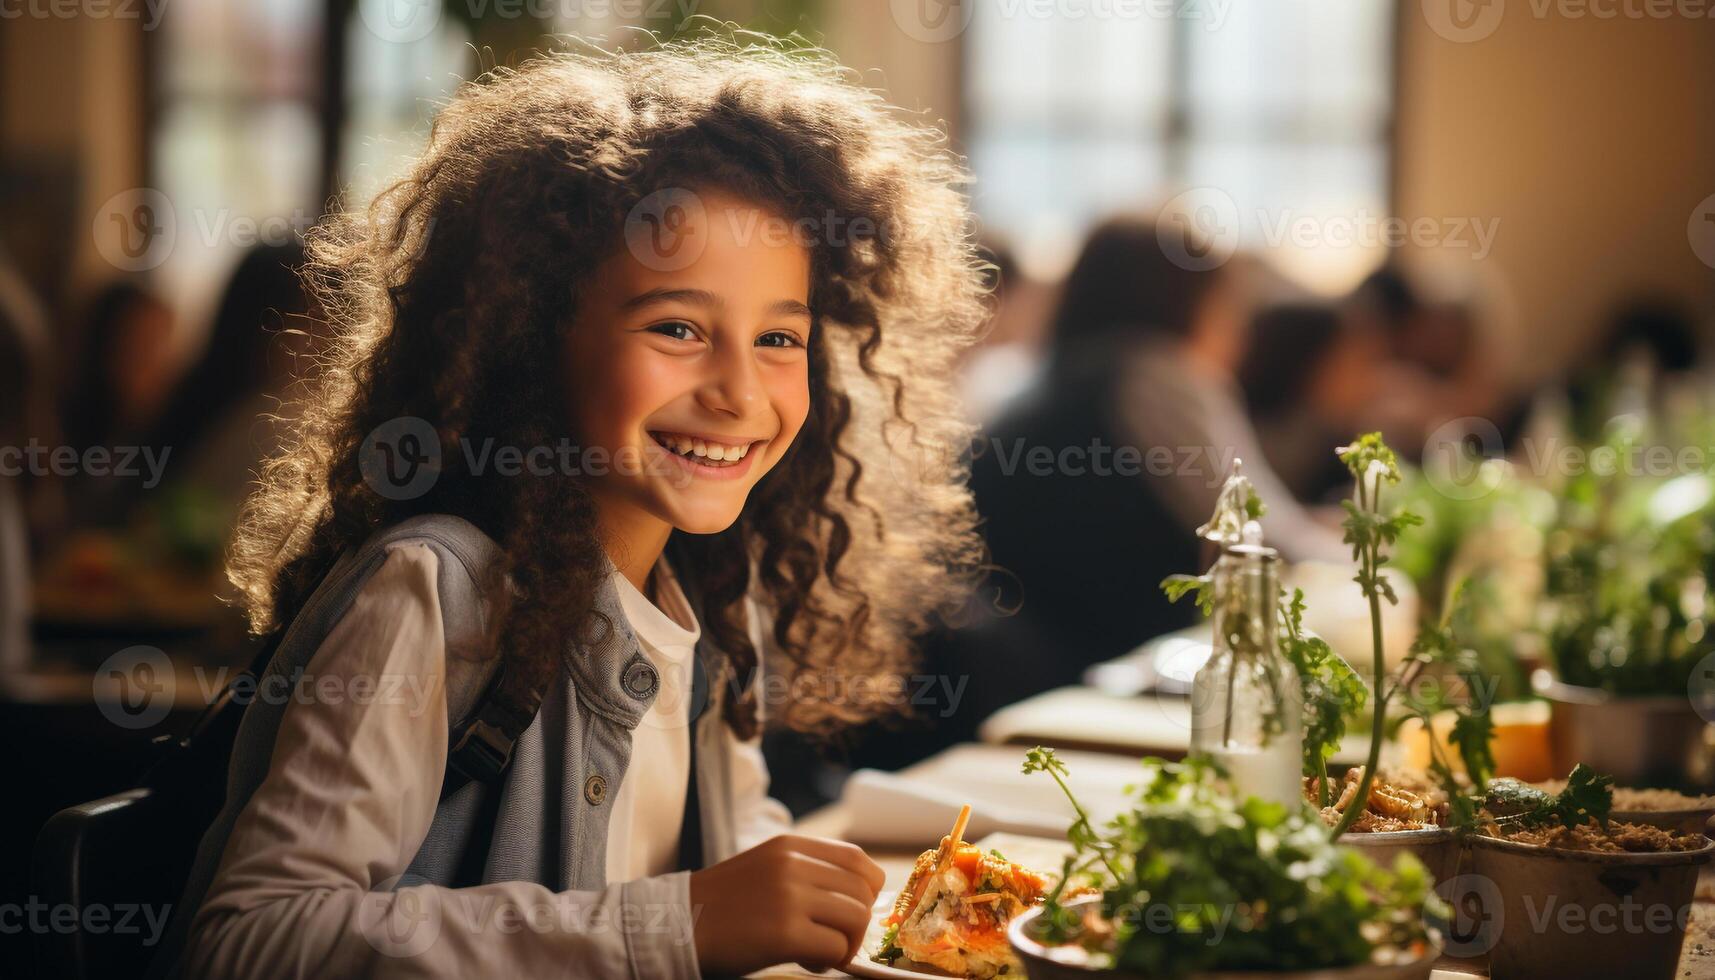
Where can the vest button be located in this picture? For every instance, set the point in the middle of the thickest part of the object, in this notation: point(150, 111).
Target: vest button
point(595, 790)
point(640, 680)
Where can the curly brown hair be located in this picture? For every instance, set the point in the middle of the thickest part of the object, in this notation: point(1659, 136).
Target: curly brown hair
point(450, 294)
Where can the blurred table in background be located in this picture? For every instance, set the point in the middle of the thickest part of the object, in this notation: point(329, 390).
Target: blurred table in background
point(1134, 705)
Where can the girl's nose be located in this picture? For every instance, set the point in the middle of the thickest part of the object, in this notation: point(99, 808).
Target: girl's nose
point(734, 386)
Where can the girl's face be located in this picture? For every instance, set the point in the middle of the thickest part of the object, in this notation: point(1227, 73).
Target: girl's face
point(692, 380)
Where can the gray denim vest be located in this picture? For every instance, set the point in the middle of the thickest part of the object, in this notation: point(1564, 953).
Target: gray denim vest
point(549, 825)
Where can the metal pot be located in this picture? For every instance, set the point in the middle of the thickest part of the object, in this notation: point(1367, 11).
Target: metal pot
point(1048, 963)
point(1434, 846)
point(1640, 741)
point(1572, 914)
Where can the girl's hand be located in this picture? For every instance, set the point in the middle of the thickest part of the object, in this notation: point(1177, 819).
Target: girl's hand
point(795, 899)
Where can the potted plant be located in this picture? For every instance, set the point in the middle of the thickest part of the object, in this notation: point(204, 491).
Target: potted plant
point(1567, 892)
point(1628, 620)
point(1389, 819)
point(1197, 884)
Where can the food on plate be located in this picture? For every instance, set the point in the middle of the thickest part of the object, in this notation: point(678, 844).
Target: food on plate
point(953, 912)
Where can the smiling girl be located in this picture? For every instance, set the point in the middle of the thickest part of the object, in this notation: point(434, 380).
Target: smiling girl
point(734, 284)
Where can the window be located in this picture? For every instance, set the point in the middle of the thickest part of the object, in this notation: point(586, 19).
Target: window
point(237, 141)
point(1080, 108)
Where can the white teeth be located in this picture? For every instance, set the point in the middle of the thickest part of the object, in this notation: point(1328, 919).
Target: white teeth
point(713, 452)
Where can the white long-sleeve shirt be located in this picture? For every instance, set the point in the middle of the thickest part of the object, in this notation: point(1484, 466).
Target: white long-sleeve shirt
point(352, 789)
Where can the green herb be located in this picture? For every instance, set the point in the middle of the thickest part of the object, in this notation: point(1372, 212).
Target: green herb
point(1214, 884)
point(1586, 797)
point(1373, 466)
point(1628, 563)
point(889, 949)
point(1082, 835)
point(1330, 689)
point(1440, 645)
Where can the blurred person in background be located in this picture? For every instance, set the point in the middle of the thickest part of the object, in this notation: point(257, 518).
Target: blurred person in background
point(1645, 362)
point(1138, 419)
point(1310, 379)
point(120, 378)
point(232, 405)
point(23, 345)
point(1433, 356)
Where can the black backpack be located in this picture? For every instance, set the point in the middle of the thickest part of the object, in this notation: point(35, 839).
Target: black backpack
point(130, 854)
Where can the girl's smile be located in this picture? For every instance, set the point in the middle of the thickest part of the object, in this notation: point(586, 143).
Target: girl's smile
point(714, 458)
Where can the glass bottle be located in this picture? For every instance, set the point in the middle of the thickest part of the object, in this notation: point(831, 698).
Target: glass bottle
point(1245, 707)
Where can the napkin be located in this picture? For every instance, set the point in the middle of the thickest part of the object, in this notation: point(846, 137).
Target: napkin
point(887, 809)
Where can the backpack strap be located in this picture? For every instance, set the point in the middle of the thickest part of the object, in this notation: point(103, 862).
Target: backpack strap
point(480, 747)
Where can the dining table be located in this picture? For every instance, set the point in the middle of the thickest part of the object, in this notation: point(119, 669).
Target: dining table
point(991, 775)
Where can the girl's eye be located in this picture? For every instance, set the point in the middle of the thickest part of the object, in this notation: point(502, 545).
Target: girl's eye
point(676, 329)
point(778, 338)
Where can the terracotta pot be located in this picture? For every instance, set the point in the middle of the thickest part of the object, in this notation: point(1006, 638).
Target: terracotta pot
point(1434, 846)
point(1640, 741)
point(1571, 914)
point(1047, 963)
point(1691, 820)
